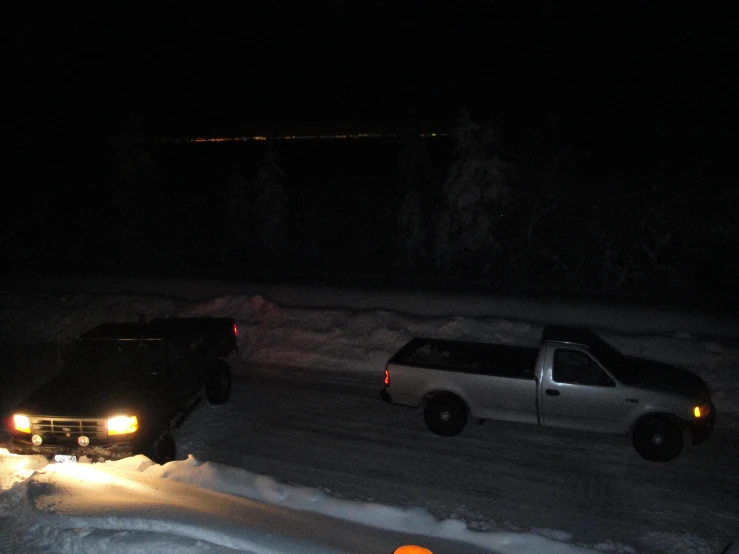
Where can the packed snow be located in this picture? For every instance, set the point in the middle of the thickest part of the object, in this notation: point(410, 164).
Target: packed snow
point(306, 458)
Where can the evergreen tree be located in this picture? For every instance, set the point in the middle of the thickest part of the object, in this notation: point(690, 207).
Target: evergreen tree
point(257, 218)
point(474, 192)
point(416, 172)
point(411, 241)
point(133, 182)
point(270, 214)
point(239, 222)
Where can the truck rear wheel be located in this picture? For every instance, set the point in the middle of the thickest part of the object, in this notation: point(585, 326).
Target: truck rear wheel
point(218, 387)
point(658, 438)
point(445, 415)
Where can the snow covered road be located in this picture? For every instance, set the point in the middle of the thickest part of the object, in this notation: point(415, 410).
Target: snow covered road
point(306, 411)
point(68, 496)
point(337, 435)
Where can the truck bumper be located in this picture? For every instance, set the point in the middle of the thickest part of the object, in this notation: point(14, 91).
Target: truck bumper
point(97, 453)
point(386, 396)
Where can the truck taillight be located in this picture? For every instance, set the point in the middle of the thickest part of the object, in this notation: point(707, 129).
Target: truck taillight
point(387, 377)
point(236, 331)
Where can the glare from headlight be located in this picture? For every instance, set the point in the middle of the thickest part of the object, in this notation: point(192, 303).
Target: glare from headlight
point(121, 425)
point(22, 423)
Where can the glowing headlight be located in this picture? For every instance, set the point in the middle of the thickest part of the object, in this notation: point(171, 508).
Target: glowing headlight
point(22, 423)
point(121, 425)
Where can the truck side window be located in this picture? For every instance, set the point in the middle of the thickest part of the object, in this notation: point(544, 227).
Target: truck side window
point(176, 355)
point(572, 366)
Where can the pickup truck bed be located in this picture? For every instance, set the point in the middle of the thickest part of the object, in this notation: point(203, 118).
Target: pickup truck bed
point(214, 335)
point(469, 357)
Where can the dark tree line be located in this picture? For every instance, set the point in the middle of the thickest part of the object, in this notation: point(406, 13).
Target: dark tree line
point(540, 224)
point(464, 210)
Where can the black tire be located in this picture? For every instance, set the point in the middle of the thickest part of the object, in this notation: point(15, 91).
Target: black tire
point(164, 448)
point(658, 438)
point(218, 387)
point(445, 415)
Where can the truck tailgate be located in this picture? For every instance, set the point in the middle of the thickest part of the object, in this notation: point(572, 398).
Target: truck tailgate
point(203, 334)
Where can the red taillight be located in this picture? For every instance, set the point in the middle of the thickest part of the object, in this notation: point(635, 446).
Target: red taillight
point(387, 377)
point(236, 331)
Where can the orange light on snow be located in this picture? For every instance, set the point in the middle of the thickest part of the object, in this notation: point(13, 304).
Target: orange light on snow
point(412, 549)
point(387, 377)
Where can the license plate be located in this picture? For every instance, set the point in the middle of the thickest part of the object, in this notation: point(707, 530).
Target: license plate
point(65, 459)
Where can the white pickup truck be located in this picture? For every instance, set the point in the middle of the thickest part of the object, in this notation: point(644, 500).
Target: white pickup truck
point(573, 380)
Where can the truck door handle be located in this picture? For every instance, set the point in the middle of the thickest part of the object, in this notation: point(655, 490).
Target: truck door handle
point(551, 392)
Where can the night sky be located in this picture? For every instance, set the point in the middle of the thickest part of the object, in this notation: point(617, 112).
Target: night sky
point(651, 80)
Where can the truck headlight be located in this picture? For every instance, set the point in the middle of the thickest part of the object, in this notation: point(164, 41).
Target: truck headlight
point(121, 425)
point(21, 423)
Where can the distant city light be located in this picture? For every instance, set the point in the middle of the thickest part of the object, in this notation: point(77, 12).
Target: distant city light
point(224, 139)
point(301, 137)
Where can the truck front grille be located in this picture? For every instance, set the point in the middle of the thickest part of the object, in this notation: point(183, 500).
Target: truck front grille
point(69, 428)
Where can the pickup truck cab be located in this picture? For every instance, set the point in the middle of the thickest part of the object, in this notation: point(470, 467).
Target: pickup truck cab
point(126, 386)
point(573, 380)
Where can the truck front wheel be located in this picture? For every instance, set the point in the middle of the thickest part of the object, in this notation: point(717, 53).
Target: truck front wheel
point(445, 415)
point(658, 438)
point(164, 448)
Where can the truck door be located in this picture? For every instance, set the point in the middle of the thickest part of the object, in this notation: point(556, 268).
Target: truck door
point(577, 393)
point(183, 377)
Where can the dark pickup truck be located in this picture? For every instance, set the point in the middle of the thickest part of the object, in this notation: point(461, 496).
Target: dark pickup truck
point(126, 386)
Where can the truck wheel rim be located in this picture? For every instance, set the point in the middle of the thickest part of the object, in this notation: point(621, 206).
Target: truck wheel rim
point(445, 416)
point(658, 439)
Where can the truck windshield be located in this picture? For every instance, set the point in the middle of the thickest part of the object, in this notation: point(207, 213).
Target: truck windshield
point(614, 361)
point(118, 357)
